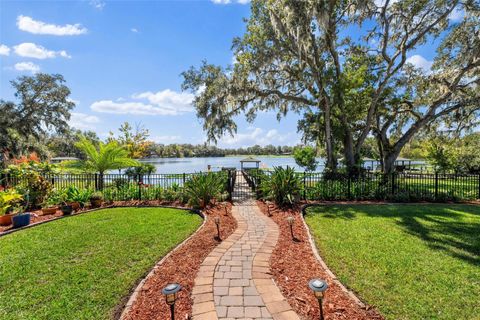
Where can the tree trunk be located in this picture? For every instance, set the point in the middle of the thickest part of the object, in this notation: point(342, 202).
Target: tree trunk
point(331, 164)
point(100, 181)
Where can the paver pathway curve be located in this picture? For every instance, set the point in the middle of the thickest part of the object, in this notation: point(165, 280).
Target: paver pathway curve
point(234, 281)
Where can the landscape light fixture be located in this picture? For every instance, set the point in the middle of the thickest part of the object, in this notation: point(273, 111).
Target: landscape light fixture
point(319, 287)
point(290, 221)
point(268, 209)
point(217, 222)
point(226, 210)
point(170, 292)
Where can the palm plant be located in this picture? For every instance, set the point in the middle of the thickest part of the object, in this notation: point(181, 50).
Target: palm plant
point(283, 186)
point(101, 158)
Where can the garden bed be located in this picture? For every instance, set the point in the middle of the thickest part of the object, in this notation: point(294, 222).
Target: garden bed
point(181, 266)
point(293, 265)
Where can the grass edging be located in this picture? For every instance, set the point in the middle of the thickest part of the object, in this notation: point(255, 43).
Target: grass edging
point(31, 225)
point(125, 307)
point(316, 253)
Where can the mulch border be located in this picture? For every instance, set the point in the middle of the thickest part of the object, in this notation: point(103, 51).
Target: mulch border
point(316, 253)
point(181, 266)
point(133, 295)
point(294, 263)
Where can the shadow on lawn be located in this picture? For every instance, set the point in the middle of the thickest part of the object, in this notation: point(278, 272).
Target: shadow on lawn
point(441, 227)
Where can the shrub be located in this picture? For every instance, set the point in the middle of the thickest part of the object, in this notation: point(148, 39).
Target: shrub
point(8, 199)
point(201, 189)
point(34, 188)
point(283, 186)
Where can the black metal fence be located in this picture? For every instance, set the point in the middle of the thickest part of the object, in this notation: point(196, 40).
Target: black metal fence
point(378, 186)
point(122, 187)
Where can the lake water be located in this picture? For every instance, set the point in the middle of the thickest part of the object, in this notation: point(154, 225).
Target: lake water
point(191, 165)
point(188, 165)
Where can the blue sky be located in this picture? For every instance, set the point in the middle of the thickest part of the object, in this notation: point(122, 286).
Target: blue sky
point(122, 61)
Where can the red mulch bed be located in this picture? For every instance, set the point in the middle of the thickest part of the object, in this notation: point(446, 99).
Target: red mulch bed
point(181, 267)
point(294, 265)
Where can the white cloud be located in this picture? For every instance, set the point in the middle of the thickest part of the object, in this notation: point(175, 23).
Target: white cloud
point(31, 50)
point(98, 4)
point(165, 103)
point(4, 50)
point(83, 121)
point(27, 66)
point(259, 136)
point(134, 30)
point(27, 24)
point(420, 62)
point(178, 102)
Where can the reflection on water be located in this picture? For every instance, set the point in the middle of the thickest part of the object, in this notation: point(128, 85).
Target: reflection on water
point(181, 165)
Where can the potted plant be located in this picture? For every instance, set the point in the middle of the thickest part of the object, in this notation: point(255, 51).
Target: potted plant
point(72, 195)
point(50, 203)
point(7, 200)
point(66, 206)
point(83, 197)
point(20, 218)
point(96, 199)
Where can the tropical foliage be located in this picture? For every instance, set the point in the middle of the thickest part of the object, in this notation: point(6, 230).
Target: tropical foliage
point(283, 186)
point(202, 189)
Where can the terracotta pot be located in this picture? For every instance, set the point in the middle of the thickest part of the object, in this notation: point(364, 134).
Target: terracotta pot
point(6, 220)
point(75, 205)
point(51, 210)
point(96, 203)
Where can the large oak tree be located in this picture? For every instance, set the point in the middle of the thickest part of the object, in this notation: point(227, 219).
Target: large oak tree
point(343, 65)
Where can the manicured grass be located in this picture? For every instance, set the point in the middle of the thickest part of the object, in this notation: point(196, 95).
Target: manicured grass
point(417, 261)
point(81, 267)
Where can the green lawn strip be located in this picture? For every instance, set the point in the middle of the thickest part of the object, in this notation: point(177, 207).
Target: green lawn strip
point(417, 261)
point(81, 267)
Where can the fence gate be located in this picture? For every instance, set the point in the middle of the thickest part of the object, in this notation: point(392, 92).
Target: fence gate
point(242, 190)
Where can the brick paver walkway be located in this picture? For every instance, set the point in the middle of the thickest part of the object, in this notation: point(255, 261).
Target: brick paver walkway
point(234, 281)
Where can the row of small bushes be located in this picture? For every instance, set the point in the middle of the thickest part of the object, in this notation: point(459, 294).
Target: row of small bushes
point(286, 187)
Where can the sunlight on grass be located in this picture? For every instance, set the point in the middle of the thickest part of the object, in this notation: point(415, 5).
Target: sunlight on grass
point(81, 267)
point(411, 261)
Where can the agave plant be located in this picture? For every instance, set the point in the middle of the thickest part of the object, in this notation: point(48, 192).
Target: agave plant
point(283, 186)
point(201, 189)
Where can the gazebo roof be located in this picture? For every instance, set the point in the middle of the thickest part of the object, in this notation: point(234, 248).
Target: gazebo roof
point(250, 159)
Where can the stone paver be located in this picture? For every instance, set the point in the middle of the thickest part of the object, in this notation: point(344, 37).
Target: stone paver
point(234, 281)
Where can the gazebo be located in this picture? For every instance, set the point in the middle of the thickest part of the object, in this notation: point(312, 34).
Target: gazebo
point(250, 159)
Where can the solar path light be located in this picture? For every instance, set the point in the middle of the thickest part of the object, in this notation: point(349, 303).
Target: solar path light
point(291, 221)
point(217, 222)
point(170, 292)
point(319, 287)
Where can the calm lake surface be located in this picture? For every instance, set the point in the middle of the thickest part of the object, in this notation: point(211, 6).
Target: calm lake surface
point(189, 165)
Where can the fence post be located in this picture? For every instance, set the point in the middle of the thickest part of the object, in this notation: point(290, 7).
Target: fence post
point(184, 178)
point(139, 184)
point(393, 183)
point(96, 181)
point(436, 186)
point(349, 192)
point(304, 185)
point(478, 186)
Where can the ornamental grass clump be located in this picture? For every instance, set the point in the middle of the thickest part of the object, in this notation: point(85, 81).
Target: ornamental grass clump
point(202, 189)
point(282, 186)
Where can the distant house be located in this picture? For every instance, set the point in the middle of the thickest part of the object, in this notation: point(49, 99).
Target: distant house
point(60, 159)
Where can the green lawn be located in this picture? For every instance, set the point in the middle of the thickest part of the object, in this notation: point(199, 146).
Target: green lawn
point(81, 267)
point(417, 261)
